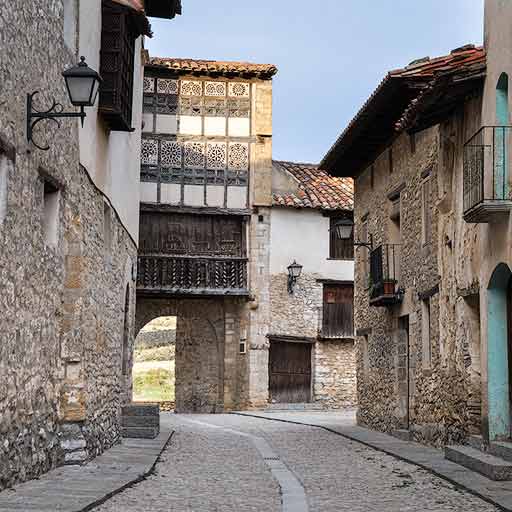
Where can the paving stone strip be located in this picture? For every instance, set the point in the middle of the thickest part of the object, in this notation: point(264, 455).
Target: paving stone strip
point(292, 492)
point(498, 494)
point(81, 488)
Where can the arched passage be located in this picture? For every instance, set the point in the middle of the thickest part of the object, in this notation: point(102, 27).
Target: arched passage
point(498, 317)
point(153, 370)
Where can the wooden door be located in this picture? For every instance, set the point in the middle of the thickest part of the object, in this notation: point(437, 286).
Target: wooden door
point(290, 372)
point(338, 311)
point(509, 330)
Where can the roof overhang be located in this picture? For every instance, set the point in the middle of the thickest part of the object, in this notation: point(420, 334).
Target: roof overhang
point(372, 128)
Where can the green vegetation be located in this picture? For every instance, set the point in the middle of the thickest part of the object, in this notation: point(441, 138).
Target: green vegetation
point(154, 384)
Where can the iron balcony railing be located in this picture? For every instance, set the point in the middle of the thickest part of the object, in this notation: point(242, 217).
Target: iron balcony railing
point(486, 166)
point(385, 273)
point(192, 274)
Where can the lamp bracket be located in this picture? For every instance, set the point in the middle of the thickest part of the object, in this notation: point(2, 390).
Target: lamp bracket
point(367, 245)
point(55, 112)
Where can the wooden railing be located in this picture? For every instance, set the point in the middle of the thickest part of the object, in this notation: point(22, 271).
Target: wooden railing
point(192, 275)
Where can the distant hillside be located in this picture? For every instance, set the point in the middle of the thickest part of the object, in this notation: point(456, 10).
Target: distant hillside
point(156, 338)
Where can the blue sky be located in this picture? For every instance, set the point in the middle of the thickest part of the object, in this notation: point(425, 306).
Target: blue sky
point(331, 54)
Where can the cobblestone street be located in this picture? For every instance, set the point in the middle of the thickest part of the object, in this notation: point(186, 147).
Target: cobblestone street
point(225, 463)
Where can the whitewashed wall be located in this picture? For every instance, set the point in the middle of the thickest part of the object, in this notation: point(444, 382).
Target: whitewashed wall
point(112, 158)
point(303, 235)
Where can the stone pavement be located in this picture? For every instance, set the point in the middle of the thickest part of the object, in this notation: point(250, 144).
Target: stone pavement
point(224, 463)
point(79, 488)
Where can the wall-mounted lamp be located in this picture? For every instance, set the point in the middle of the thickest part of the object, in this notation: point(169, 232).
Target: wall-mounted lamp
point(82, 83)
point(294, 271)
point(344, 229)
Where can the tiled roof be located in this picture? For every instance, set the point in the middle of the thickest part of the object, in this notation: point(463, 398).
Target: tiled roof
point(215, 67)
point(462, 65)
point(316, 189)
point(134, 4)
point(460, 59)
point(395, 94)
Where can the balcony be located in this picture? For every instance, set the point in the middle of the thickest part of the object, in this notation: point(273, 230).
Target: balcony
point(191, 275)
point(384, 276)
point(486, 175)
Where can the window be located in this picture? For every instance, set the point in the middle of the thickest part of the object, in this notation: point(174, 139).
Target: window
point(70, 24)
point(51, 197)
point(364, 354)
point(390, 160)
point(340, 249)
point(364, 254)
point(426, 211)
point(338, 311)
point(117, 54)
point(4, 175)
point(425, 334)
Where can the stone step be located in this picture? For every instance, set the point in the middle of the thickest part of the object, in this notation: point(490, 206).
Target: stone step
point(488, 465)
point(140, 432)
point(140, 410)
point(502, 449)
point(477, 442)
point(294, 407)
point(402, 434)
point(140, 421)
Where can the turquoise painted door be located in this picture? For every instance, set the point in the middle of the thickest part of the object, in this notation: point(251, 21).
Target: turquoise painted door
point(501, 135)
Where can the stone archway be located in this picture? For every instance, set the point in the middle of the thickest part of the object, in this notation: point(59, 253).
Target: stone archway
point(498, 353)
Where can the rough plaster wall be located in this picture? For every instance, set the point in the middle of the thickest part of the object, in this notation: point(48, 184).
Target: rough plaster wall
point(62, 307)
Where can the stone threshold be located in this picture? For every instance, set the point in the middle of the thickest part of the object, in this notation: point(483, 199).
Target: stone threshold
point(82, 488)
point(431, 459)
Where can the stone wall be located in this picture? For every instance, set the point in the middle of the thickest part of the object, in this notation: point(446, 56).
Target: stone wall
point(334, 374)
point(63, 303)
point(299, 315)
point(397, 386)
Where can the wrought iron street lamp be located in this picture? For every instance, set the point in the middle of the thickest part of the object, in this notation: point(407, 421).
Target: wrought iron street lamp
point(294, 272)
point(344, 229)
point(82, 84)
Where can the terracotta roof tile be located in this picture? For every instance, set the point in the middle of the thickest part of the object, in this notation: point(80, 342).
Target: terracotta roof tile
point(215, 67)
point(316, 189)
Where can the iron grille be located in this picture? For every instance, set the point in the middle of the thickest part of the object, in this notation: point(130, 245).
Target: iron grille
point(486, 162)
point(384, 271)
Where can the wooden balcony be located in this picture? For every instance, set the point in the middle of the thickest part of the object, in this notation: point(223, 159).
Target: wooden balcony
point(191, 275)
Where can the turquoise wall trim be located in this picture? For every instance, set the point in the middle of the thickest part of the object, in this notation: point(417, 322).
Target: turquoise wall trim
point(497, 354)
point(501, 189)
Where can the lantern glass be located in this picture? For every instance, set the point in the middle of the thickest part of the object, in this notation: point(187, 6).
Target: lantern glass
point(343, 229)
point(294, 270)
point(82, 83)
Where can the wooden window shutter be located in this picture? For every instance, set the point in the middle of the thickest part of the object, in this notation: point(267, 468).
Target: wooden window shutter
point(117, 57)
point(338, 311)
point(339, 249)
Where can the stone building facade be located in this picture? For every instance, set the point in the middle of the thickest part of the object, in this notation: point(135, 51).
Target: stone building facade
point(306, 202)
point(205, 216)
point(432, 319)
point(68, 242)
